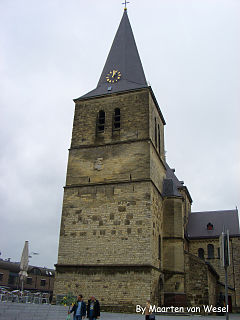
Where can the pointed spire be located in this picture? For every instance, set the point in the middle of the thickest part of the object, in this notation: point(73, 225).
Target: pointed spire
point(123, 68)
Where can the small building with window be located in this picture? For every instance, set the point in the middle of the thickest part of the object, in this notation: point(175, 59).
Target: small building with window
point(38, 279)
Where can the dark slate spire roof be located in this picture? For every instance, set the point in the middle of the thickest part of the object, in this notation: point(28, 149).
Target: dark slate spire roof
point(124, 57)
point(198, 221)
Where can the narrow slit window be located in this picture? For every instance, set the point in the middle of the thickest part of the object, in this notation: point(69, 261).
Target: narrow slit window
point(159, 247)
point(201, 253)
point(159, 141)
point(117, 119)
point(155, 132)
point(101, 121)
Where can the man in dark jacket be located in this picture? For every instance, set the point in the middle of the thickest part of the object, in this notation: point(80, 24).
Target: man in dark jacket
point(93, 309)
point(79, 308)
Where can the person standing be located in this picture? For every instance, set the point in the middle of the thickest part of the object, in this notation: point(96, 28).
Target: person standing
point(93, 309)
point(148, 311)
point(79, 309)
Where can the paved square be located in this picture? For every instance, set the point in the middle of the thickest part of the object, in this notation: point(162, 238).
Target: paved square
point(119, 316)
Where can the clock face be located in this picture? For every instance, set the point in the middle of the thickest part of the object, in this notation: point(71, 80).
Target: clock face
point(113, 76)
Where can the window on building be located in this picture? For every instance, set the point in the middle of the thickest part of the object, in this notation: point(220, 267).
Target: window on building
point(116, 119)
point(218, 250)
point(210, 249)
point(29, 280)
point(159, 247)
point(35, 271)
point(43, 283)
point(201, 253)
point(1, 276)
point(159, 142)
point(101, 121)
point(12, 279)
point(209, 226)
point(155, 132)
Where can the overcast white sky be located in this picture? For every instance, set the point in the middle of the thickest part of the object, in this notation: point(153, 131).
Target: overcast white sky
point(52, 51)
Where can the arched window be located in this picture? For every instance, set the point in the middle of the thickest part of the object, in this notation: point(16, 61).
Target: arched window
point(101, 121)
point(201, 253)
point(116, 119)
point(155, 133)
point(35, 271)
point(210, 249)
point(159, 247)
point(159, 142)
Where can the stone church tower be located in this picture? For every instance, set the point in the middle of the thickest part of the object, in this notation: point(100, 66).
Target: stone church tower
point(124, 214)
point(115, 221)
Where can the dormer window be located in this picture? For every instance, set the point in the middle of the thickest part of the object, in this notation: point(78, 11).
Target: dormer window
point(209, 226)
point(35, 271)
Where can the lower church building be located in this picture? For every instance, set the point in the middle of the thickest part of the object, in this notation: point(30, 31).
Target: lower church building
point(127, 231)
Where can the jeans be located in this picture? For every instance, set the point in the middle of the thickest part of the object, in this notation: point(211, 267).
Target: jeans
point(78, 318)
point(91, 318)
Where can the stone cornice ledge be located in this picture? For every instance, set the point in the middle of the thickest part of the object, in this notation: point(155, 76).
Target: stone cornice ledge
point(139, 266)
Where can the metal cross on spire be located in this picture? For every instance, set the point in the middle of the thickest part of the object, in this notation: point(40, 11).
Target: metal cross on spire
point(125, 3)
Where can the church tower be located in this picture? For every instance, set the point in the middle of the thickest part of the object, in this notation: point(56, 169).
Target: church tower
point(113, 241)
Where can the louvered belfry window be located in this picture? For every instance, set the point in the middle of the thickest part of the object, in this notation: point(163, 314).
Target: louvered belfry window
point(117, 119)
point(101, 121)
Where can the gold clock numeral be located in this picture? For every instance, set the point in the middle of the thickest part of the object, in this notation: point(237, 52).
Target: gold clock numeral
point(113, 76)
